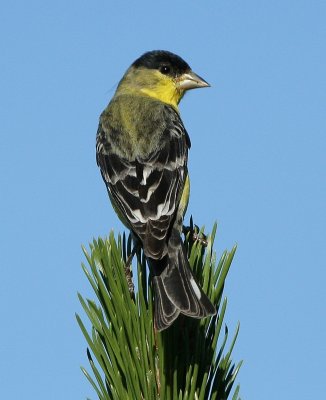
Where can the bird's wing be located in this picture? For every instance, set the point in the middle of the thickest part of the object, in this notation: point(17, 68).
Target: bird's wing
point(147, 191)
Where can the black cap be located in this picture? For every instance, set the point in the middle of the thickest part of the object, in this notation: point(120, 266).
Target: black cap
point(164, 61)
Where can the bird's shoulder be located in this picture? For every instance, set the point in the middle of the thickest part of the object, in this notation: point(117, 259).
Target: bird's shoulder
point(135, 126)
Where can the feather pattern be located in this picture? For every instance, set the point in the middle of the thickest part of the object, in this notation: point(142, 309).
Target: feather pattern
point(147, 190)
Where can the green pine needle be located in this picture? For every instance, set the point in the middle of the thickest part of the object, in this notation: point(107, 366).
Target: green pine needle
point(131, 360)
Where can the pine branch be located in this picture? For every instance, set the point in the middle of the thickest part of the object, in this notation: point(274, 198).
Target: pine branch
point(133, 361)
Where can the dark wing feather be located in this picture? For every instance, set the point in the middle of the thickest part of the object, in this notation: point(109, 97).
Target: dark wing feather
point(147, 190)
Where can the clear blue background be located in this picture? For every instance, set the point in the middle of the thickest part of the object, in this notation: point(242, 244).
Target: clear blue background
point(257, 164)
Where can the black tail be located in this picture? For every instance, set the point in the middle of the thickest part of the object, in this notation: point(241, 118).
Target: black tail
point(176, 290)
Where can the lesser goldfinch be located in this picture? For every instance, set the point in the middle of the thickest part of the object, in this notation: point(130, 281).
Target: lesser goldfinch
point(142, 151)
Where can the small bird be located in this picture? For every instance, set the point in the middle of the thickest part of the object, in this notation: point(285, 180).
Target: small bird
point(142, 151)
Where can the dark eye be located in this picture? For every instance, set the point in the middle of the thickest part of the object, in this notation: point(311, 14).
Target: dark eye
point(165, 69)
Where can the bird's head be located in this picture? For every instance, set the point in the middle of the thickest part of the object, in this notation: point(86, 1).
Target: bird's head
point(162, 75)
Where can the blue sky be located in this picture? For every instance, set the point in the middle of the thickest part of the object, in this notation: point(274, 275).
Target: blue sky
point(257, 165)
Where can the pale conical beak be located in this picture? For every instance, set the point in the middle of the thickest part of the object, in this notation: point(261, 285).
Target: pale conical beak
point(190, 80)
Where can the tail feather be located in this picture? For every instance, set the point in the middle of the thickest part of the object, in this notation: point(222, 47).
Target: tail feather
point(176, 290)
point(165, 311)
